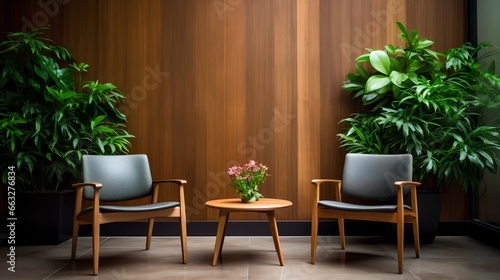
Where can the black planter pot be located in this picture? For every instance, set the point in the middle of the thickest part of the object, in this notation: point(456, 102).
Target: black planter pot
point(44, 218)
point(429, 214)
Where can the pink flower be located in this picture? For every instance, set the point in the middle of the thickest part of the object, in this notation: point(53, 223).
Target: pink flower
point(249, 171)
point(247, 178)
point(234, 171)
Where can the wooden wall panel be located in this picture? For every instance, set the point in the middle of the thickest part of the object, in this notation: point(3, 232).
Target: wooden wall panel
point(336, 39)
point(208, 108)
point(308, 102)
point(213, 83)
point(437, 20)
point(79, 33)
point(283, 125)
point(232, 124)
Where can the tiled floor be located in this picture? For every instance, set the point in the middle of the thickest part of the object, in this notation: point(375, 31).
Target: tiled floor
point(255, 258)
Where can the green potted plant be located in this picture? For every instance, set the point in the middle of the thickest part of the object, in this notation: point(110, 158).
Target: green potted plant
point(427, 104)
point(247, 178)
point(50, 117)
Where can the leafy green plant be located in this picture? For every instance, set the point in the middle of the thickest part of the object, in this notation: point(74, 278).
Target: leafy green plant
point(428, 104)
point(49, 116)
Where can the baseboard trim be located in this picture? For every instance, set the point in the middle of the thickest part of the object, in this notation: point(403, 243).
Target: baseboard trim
point(261, 228)
point(485, 233)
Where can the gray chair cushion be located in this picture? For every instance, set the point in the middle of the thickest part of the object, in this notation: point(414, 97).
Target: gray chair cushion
point(372, 177)
point(138, 208)
point(358, 207)
point(123, 177)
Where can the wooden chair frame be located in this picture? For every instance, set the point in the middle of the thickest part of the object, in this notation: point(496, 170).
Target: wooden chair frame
point(96, 217)
point(399, 217)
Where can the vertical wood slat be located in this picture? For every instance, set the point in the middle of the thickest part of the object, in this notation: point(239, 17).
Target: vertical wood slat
point(235, 115)
point(205, 78)
point(308, 114)
point(335, 39)
point(283, 124)
point(211, 120)
point(259, 85)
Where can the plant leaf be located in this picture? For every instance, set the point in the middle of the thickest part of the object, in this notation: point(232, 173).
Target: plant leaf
point(380, 61)
point(376, 82)
point(398, 78)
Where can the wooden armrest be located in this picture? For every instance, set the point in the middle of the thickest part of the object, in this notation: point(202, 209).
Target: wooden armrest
point(94, 185)
point(413, 193)
point(401, 184)
point(79, 195)
point(317, 184)
point(176, 181)
point(179, 182)
point(320, 181)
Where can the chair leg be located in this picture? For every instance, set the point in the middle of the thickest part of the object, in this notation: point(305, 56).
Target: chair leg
point(183, 229)
point(74, 241)
point(314, 236)
point(341, 233)
point(416, 239)
point(151, 223)
point(400, 232)
point(95, 246)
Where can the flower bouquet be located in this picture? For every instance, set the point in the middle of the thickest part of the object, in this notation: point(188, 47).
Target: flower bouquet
point(246, 180)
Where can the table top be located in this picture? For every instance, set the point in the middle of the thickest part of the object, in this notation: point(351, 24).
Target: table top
point(235, 204)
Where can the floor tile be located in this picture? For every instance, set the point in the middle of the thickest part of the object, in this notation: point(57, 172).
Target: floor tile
point(454, 257)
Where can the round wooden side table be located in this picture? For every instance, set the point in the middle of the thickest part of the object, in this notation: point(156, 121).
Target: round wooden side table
point(264, 205)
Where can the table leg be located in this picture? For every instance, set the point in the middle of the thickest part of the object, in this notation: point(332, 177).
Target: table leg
point(274, 230)
point(221, 232)
point(224, 231)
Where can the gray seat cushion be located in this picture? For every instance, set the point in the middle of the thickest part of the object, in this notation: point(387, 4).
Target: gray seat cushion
point(139, 208)
point(359, 207)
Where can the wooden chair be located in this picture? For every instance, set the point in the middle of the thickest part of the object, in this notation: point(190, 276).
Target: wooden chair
point(384, 179)
point(120, 178)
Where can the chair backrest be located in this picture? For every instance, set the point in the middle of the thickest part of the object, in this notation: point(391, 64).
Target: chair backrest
point(123, 177)
point(372, 177)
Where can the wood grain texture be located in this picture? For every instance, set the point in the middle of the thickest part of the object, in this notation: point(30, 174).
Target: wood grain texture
point(308, 101)
point(213, 83)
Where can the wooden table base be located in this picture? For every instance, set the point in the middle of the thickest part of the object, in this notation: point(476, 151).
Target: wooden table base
point(226, 206)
